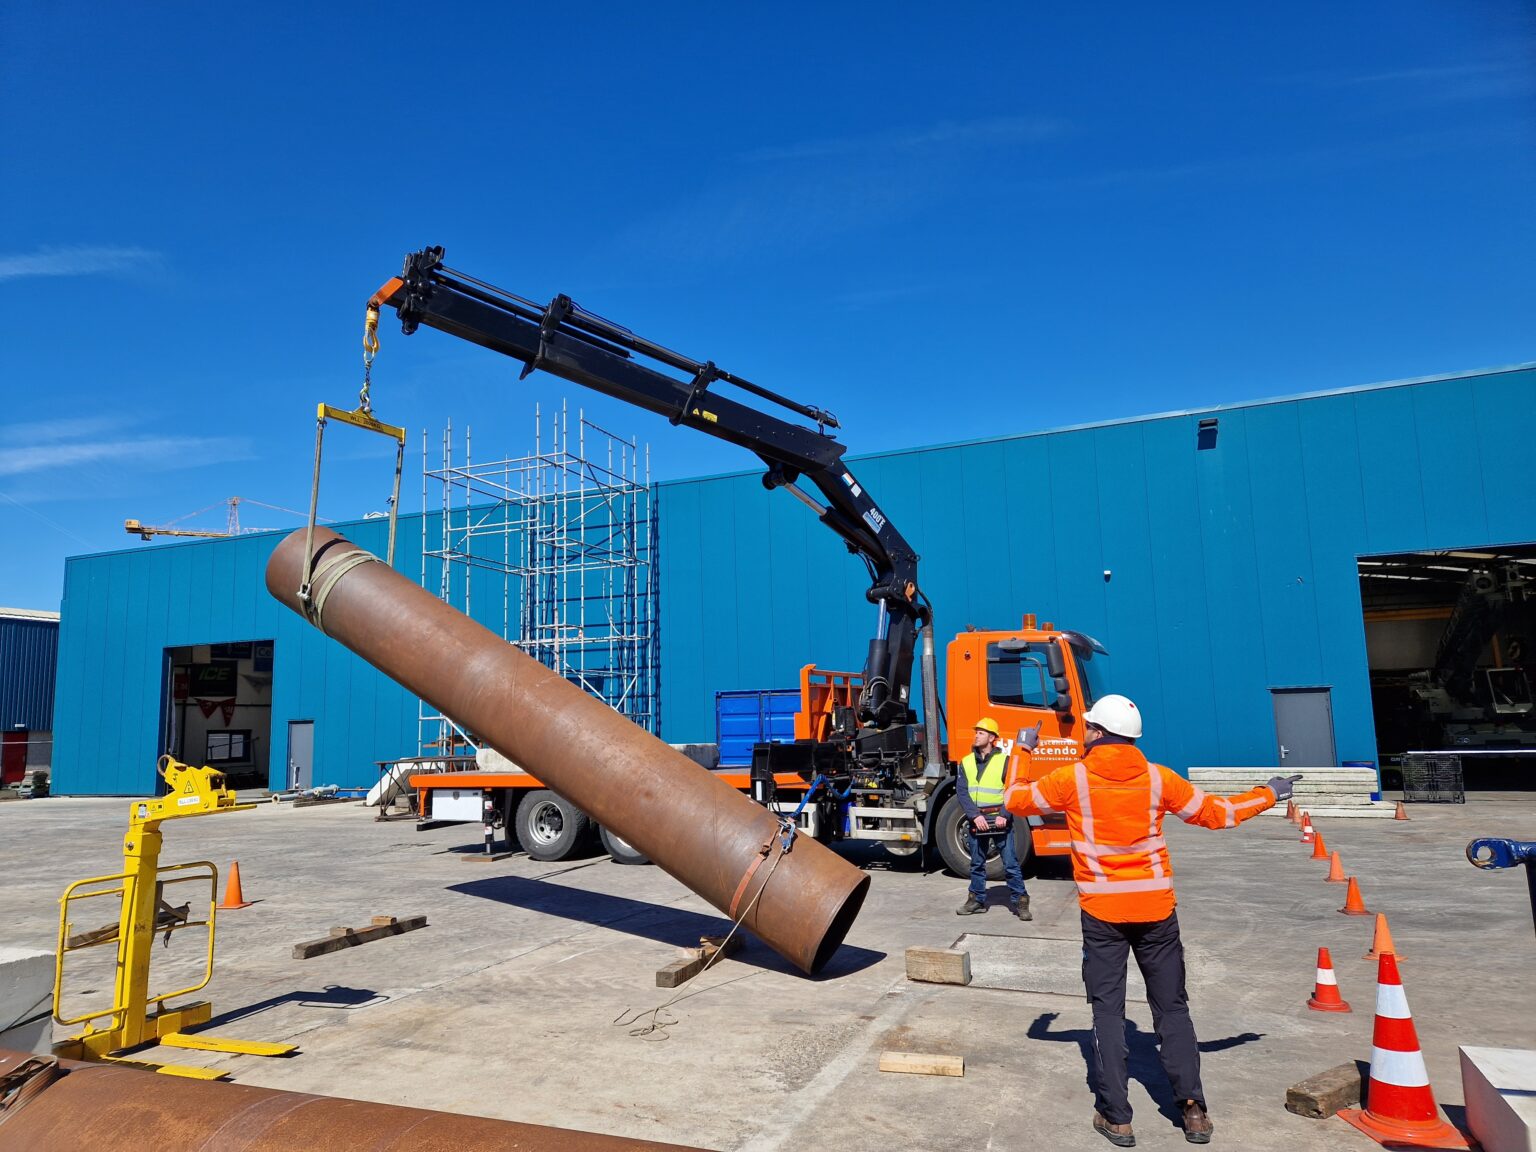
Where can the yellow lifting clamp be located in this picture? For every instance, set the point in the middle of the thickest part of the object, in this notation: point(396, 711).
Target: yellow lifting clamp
point(145, 913)
point(360, 417)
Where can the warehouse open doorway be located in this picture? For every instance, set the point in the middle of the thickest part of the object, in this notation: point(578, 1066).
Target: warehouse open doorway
point(219, 708)
point(1449, 639)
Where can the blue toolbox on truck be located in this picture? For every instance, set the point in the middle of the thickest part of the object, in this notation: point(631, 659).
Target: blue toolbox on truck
point(743, 719)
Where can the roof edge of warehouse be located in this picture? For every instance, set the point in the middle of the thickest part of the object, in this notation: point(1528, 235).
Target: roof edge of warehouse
point(28, 614)
point(1467, 374)
point(254, 534)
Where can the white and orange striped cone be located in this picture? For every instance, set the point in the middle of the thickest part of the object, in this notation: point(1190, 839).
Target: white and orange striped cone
point(1400, 1109)
point(1325, 994)
point(1307, 834)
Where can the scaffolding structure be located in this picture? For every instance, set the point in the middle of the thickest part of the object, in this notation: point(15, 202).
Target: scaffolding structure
point(558, 549)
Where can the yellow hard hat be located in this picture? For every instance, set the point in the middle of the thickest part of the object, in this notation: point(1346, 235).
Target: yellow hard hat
point(987, 724)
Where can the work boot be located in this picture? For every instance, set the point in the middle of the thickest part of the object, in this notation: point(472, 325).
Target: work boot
point(1120, 1135)
point(972, 905)
point(1020, 908)
point(1197, 1125)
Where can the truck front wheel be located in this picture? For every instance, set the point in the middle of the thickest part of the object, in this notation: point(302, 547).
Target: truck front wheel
point(550, 827)
point(954, 842)
point(621, 851)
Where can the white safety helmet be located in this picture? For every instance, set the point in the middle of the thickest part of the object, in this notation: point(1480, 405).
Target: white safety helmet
point(1115, 714)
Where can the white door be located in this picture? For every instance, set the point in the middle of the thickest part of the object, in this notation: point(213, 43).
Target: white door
point(301, 753)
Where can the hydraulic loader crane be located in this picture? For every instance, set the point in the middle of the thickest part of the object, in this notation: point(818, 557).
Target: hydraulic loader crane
point(566, 340)
point(871, 770)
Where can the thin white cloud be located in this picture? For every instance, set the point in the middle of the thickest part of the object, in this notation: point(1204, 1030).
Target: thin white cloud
point(1496, 78)
point(77, 260)
point(154, 453)
point(944, 134)
point(52, 431)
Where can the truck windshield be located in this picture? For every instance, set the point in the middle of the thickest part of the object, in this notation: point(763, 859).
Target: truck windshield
point(1089, 674)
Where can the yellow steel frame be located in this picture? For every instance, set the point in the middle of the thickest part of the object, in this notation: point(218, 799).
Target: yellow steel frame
point(141, 884)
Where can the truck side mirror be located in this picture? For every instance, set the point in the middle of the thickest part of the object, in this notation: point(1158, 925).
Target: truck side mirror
point(1054, 660)
point(1063, 702)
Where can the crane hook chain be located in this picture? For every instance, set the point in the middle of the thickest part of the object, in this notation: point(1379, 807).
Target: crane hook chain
point(370, 350)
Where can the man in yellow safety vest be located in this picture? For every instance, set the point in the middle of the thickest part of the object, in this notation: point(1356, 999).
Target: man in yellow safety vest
point(979, 785)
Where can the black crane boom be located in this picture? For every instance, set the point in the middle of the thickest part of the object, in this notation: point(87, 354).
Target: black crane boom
point(566, 340)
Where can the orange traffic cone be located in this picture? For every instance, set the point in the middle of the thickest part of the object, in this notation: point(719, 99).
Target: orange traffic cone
point(1401, 813)
point(1382, 944)
point(1400, 1108)
point(1292, 813)
point(1307, 832)
point(1336, 872)
point(233, 896)
point(1319, 849)
point(1325, 993)
point(1353, 905)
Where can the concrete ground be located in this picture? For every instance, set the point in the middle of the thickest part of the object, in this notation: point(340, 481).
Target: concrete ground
point(506, 1004)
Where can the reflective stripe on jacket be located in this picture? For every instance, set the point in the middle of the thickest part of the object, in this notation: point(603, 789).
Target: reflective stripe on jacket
point(987, 788)
point(1114, 800)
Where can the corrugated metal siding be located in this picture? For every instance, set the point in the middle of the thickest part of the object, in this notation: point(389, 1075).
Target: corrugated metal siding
point(1233, 572)
point(122, 610)
point(29, 653)
point(1233, 568)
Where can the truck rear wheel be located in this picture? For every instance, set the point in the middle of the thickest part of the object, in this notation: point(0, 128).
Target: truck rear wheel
point(954, 842)
point(620, 851)
point(549, 827)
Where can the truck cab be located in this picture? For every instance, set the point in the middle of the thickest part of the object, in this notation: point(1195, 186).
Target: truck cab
point(1032, 676)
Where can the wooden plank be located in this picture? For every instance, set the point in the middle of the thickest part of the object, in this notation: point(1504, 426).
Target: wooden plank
point(1320, 1096)
point(351, 937)
point(922, 1063)
point(681, 971)
point(939, 965)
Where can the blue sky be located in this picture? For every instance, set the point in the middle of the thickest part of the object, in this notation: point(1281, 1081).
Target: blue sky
point(939, 222)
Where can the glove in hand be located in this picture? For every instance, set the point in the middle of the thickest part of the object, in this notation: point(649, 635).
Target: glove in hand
point(1281, 786)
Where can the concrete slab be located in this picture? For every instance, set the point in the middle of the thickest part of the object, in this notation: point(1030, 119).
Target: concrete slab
point(506, 1003)
point(1054, 967)
point(1500, 1086)
point(26, 998)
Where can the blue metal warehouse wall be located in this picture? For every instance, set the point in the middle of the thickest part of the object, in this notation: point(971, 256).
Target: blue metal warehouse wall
point(123, 609)
point(29, 652)
point(1233, 568)
point(1233, 572)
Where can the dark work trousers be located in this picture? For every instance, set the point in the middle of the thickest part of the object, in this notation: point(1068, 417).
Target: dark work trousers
point(1160, 956)
point(983, 847)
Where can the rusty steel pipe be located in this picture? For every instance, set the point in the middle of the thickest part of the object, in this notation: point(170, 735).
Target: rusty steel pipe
point(112, 1107)
point(695, 826)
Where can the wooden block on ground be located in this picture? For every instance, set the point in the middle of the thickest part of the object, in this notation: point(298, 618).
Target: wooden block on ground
point(351, 937)
point(681, 971)
point(939, 965)
point(1319, 1097)
point(922, 1063)
point(486, 858)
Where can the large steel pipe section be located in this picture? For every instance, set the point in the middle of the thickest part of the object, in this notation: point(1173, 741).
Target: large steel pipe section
point(698, 828)
point(107, 1108)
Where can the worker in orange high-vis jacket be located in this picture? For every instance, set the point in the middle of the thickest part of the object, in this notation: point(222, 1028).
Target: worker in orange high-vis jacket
point(1114, 800)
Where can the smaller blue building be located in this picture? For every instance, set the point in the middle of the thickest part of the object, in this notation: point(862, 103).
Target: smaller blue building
point(29, 658)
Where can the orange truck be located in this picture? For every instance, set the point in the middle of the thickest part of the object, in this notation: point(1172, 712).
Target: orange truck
point(863, 765)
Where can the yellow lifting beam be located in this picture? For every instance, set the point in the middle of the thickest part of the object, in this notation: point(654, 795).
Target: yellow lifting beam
point(136, 1017)
point(360, 417)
